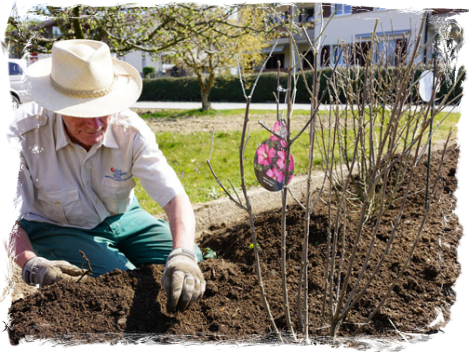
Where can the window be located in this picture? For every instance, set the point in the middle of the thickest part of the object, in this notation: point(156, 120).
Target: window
point(401, 51)
point(359, 6)
point(337, 56)
point(15, 69)
point(360, 52)
point(272, 63)
point(334, 55)
point(272, 19)
point(392, 52)
point(307, 15)
point(343, 9)
point(387, 4)
point(386, 52)
point(277, 19)
point(308, 61)
point(325, 55)
point(326, 10)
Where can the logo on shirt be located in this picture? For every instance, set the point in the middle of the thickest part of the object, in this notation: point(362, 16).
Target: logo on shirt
point(118, 175)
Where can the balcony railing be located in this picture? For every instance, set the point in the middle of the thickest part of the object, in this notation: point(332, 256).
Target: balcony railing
point(283, 31)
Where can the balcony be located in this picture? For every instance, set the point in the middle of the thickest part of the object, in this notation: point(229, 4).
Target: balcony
point(309, 26)
point(440, 14)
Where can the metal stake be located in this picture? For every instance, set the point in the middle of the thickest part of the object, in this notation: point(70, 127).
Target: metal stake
point(435, 55)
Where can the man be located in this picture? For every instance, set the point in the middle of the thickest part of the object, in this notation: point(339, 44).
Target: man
point(81, 150)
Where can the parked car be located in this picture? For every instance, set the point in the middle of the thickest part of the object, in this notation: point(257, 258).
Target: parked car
point(18, 91)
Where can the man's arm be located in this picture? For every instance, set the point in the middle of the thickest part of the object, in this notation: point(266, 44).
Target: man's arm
point(182, 279)
point(21, 249)
point(181, 221)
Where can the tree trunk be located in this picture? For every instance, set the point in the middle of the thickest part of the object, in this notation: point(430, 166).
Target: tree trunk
point(206, 105)
point(205, 87)
point(78, 30)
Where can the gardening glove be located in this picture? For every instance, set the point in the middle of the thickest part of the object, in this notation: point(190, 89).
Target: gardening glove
point(182, 280)
point(43, 272)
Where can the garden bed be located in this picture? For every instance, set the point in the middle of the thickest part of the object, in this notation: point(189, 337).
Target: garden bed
point(124, 311)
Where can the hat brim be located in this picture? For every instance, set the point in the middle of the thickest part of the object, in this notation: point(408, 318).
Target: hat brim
point(125, 92)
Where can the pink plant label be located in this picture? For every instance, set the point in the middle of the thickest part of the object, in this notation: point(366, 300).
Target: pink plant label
point(270, 161)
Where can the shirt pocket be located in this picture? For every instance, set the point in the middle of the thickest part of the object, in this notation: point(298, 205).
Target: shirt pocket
point(117, 195)
point(63, 206)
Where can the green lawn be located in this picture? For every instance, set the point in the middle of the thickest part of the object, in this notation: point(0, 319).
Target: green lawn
point(188, 154)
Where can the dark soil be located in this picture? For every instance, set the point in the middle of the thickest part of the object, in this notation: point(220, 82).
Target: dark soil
point(130, 306)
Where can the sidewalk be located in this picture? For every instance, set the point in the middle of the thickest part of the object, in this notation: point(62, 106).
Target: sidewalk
point(228, 106)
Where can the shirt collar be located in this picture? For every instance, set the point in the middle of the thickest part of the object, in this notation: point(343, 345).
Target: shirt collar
point(63, 139)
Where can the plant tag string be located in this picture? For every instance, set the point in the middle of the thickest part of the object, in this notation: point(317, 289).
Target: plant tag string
point(270, 160)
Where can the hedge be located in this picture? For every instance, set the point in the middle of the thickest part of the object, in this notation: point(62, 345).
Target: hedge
point(228, 88)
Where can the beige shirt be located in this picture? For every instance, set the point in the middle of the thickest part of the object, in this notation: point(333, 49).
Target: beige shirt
point(61, 183)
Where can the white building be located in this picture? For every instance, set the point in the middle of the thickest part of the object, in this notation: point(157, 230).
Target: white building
point(141, 59)
point(349, 28)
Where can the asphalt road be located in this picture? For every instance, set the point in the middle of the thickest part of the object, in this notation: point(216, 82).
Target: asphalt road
point(254, 106)
point(228, 106)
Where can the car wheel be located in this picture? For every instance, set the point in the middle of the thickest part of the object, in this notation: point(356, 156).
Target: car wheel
point(9, 103)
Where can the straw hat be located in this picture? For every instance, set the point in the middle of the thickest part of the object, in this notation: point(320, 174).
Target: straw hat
point(81, 79)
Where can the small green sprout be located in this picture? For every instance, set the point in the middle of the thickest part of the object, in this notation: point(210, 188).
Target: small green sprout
point(209, 253)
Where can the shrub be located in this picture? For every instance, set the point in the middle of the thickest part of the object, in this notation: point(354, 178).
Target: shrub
point(227, 88)
point(149, 72)
point(171, 89)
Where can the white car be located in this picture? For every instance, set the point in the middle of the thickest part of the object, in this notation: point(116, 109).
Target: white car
point(18, 92)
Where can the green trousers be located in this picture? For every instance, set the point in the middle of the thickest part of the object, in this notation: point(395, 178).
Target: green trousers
point(123, 241)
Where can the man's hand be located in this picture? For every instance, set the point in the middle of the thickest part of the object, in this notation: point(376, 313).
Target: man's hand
point(43, 272)
point(182, 280)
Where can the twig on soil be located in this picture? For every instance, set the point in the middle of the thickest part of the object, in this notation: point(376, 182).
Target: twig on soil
point(87, 272)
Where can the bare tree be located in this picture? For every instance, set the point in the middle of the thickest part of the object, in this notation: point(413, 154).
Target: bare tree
point(147, 25)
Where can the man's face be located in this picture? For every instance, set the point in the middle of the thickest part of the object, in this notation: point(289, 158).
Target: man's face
point(86, 131)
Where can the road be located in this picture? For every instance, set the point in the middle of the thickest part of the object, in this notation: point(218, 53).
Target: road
point(254, 106)
point(228, 106)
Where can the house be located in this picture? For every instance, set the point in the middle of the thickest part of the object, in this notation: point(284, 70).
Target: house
point(347, 34)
